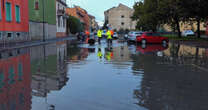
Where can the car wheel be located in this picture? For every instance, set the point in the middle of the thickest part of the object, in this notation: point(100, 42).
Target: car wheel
point(143, 41)
point(164, 42)
point(143, 46)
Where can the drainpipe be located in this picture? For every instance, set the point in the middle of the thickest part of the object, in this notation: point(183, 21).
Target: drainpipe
point(43, 20)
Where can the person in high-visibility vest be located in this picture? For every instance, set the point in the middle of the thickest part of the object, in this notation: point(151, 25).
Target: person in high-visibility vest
point(99, 34)
point(112, 32)
point(109, 37)
point(99, 54)
point(87, 34)
point(109, 55)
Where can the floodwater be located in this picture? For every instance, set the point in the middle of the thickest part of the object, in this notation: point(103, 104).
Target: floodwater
point(119, 77)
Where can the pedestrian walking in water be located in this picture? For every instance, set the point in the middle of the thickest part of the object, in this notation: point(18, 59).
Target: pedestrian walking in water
point(99, 54)
point(87, 34)
point(109, 37)
point(99, 34)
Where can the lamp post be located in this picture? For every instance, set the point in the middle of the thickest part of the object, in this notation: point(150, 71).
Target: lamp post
point(43, 20)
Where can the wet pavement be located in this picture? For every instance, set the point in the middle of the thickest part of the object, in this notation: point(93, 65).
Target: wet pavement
point(61, 76)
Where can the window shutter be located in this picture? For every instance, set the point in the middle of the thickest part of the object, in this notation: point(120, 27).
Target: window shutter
point(17, 11)
point(8, 12)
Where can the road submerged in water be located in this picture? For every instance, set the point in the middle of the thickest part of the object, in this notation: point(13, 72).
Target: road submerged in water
point(100, 77)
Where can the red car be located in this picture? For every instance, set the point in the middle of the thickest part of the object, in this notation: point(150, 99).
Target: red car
point(151, 48)
point(150, 37)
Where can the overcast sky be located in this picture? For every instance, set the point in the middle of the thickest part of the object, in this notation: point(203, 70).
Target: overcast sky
point(97, 7)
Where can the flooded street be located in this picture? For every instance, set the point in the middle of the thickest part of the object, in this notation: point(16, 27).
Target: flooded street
point(63, 76)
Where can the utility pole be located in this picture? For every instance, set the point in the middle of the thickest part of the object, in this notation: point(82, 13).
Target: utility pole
point(43, 20)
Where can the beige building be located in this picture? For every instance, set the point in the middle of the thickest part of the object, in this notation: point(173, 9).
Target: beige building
point(93, 23)
point(186, 26)
point(120, 17)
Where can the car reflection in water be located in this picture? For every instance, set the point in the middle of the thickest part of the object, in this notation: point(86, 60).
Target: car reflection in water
point(149, 49)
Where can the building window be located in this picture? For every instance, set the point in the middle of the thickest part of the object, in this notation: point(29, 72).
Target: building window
point(21, 99)
point(122, 16)
point(1, 79)
point(11, 75)
point(8, 12)
point(18, 34)
point(17, 13)
point(59, 22)
point(0, 11)
point(9, 35)
point(122, 23)
point(36, 5)
point(64, 22)
point(1, 35)
point(20, 72)
point(10, 54)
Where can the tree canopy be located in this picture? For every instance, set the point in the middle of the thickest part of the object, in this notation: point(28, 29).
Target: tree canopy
point(151, 14)
point(75, 25)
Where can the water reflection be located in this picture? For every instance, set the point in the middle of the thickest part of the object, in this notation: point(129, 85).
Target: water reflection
point(174, 81)
point(75, 53)
point(148, 49)
point(109, 53)
point(120, 77)
point(15, 80)
point(48, 68)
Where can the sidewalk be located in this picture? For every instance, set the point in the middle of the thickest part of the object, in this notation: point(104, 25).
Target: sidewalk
point(34, 43)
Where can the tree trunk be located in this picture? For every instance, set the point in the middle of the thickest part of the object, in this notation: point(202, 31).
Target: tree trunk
point(196, 55)
point(178, 28)
point(198, 28)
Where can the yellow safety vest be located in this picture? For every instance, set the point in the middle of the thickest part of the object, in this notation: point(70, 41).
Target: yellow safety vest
point(109, 35)
point(108, 56)
point(99, 33)
point(100, 54)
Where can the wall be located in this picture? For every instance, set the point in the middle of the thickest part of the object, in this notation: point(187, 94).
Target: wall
point(14, 27)
point(60, 20)
point(36, 31)
point(36, 19)
point(49, 12)
point(186, 26)
point(114, 17)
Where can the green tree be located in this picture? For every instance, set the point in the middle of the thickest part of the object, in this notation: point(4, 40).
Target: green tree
point(171, 12)
point(147, 15)
point(196, 10)
point(153, 13)
point(74, 25)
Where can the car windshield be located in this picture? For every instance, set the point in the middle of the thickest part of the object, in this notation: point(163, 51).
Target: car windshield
point(156, 34)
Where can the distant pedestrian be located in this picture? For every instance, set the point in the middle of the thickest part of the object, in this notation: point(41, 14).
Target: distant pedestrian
point(83, 36)
point(99, 54)
point(78, 36)
point(87, 33)
point(109, 37)
point(99, 34)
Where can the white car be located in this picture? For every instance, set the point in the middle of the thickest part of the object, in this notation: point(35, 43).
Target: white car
point(115, 35)
point(187, 33)
point(132, 35)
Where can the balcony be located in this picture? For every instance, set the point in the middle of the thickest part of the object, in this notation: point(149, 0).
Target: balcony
point(61, 12)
